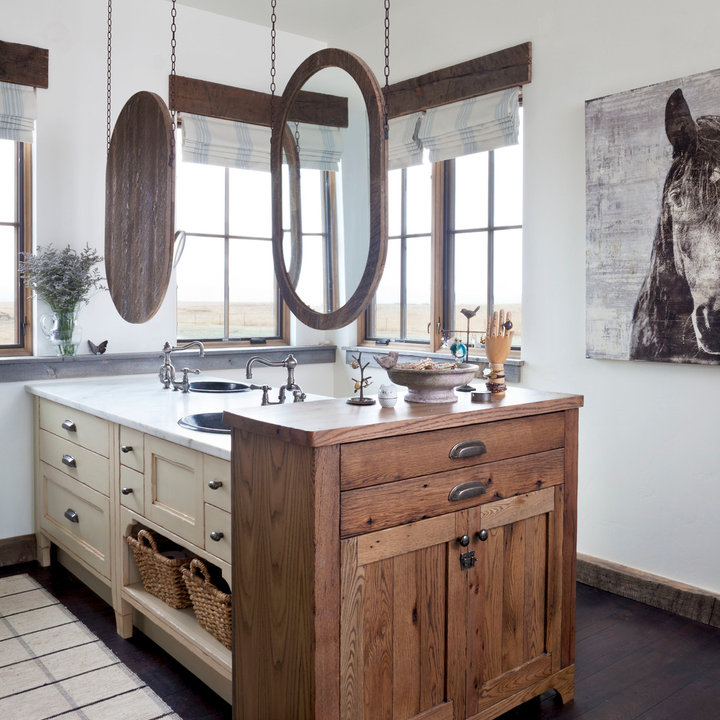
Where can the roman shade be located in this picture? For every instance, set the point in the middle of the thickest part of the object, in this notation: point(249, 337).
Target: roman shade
point(18, 112)
point(404, 147)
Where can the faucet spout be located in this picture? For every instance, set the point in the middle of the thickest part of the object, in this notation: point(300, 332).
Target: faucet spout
point(289, 363)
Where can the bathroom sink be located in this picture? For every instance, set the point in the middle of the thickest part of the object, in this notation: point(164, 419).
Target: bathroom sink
point(217, 386)
point(205, 422)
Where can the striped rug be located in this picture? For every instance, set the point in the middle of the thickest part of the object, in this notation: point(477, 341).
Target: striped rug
point(52, 666)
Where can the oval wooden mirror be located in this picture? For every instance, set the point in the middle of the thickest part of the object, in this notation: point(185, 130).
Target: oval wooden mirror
point(367, 241)
point(140, 207)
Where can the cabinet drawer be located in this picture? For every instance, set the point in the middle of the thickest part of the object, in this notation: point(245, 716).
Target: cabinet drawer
point(131, 448)
point(87, 430)
point(173, 488)
point(373, 462)
point(216, 482)
point(132, 493)
point(404, 501)
point(87, 536)
point(217, 532)
point(76, 461)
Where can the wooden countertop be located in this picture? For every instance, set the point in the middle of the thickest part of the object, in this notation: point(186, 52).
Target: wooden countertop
point(327, 422)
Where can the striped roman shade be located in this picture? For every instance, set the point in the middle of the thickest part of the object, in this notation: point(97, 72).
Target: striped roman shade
point(320, 147)
point(18, 112)
point(404, 148)
point(470, 126)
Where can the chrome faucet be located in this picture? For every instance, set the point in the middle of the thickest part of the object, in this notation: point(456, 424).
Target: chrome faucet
point(290, 363)
point(167, 371)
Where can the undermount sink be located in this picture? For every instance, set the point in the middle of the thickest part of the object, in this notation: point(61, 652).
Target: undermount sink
point(217, 386)
point(205, 422)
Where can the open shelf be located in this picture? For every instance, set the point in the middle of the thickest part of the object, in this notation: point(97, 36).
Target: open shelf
point(183, 626)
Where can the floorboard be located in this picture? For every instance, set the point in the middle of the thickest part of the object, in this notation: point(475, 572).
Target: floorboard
point(633, 661)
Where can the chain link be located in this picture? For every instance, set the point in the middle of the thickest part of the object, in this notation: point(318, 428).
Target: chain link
point(109, 74)
point(173, 46)
point(387, 66)
point(273, 36)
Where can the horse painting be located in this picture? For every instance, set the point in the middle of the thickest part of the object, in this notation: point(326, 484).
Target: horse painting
point(677, 312)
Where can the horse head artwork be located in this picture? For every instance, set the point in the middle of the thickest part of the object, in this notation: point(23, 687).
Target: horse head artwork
point(677, 312)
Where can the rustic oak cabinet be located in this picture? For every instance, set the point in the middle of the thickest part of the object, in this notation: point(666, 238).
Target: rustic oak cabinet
point(409, 564)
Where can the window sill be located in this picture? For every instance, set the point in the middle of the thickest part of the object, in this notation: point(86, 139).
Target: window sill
point(17, 369)
point(513, 366)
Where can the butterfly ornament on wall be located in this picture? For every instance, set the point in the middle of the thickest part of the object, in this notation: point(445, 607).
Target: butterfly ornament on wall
point(97, 349)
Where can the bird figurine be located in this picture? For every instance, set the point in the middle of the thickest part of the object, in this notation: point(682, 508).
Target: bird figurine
point(387, 361)
point(469, 313)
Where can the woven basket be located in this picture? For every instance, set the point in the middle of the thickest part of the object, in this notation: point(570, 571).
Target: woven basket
point(160, 575)
point(213, 608)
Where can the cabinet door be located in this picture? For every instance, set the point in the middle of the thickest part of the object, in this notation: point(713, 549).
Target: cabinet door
point(393, 646)
point(509, 602)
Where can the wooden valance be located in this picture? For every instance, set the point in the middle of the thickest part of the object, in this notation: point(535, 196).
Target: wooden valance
point(23, 64)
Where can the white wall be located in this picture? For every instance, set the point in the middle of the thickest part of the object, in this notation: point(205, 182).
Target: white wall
point(71, 149)
point(649, 450)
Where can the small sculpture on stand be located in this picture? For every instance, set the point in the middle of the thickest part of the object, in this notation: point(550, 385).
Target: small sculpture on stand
point(360, 384)
point(497, 348)
point(460, 350)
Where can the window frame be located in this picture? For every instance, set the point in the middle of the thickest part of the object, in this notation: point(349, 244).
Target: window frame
point(442, 253)
point(23, 242)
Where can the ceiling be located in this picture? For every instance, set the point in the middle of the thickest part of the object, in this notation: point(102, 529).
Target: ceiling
point(317, 19)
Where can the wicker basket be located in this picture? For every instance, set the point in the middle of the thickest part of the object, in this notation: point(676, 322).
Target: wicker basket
point(213, 608)
point(160, 575)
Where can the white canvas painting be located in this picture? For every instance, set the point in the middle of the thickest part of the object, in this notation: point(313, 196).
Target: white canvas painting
point(653, 222)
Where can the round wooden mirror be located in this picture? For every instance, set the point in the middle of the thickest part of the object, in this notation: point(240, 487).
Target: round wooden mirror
point(140, 207)
point(368, 240)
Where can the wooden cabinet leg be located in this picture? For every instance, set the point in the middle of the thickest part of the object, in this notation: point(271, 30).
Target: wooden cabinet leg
point(43, 550)
point(124, 620)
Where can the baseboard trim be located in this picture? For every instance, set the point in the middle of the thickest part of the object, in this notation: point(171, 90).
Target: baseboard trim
point(16, 550)
point(686, 600)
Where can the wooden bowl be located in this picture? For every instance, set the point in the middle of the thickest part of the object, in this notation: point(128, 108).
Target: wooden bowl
point(432, 386)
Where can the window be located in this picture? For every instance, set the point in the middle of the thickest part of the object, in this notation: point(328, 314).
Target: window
point(15, 237)
point(455, 241)
point(226, 287)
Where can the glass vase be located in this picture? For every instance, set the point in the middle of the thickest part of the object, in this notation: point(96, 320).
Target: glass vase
point(62, 330)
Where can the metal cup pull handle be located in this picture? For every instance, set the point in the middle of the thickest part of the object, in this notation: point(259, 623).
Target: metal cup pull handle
point(467, 448)
point(69, 460)
point(69, 425)
point(71, 515)
point(468, 490)
point(216, 536)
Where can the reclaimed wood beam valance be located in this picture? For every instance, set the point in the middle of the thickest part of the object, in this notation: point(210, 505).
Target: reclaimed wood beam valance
point(23, 64)
point(201, 97)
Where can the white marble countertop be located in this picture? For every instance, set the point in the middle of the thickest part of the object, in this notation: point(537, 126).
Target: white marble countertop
point(140, 402)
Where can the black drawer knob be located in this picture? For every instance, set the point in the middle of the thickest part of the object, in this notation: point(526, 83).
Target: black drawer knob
point(216, 536)
point(126, 491)
point(464, 540)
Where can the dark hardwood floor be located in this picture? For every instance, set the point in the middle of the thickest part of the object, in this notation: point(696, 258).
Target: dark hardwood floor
point(633, 662)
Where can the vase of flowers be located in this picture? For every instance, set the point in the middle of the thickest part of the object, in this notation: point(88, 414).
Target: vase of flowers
point(63, 279)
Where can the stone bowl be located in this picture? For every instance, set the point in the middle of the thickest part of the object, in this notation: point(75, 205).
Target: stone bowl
point(432, 386)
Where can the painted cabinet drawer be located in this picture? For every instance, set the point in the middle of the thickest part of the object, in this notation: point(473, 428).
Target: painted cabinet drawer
point(131, 448)
point(372, 462)
point(132, 489)
point(86, 430)
point(76, 461)
point(76, 517)
point(216, 482)
point(217, 533)
point(173, 488)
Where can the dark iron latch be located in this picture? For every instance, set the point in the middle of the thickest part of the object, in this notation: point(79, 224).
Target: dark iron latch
point(467, 560)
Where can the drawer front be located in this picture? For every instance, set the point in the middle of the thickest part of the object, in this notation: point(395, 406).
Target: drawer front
point(217, 533)
point(132, 492)
point(216, 482)
point(76, 461)
point(87, 430)
point(404, 501)
point(131, 448)
point(373, 462)
point(88, 537)
point(173, 488)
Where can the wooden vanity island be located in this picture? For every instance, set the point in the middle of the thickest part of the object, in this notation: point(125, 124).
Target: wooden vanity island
point(408, 563)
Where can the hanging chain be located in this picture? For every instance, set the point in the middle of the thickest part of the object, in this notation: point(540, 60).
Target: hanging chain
point(273, 36)
point(387, 64)
point(109, 74)
point(297, 137)
point(173, 46)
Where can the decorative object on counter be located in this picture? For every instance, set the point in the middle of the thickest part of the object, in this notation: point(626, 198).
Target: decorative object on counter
point(497, 347)
point(97, 349)
point(459, 349)
point(387, 395)
point(212, 606)
point(161, 575)
point(360, 384)
point(431, 382)
point(387, 361)
point(481, 396)
point(63, 279)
